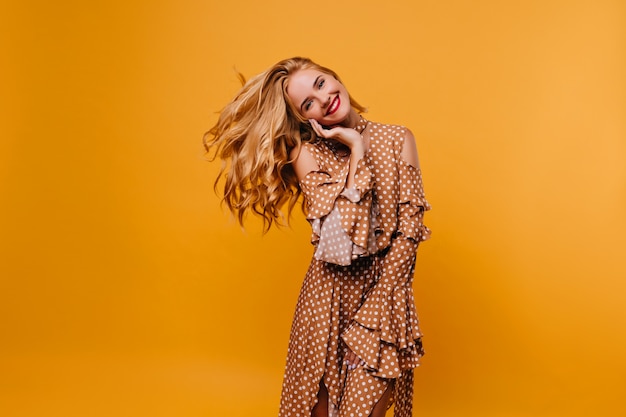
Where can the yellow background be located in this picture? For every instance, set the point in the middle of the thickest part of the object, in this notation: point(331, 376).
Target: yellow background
point(126, 291)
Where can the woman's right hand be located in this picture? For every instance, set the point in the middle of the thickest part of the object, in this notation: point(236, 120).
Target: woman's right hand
point(352, 360)
point(348, 136)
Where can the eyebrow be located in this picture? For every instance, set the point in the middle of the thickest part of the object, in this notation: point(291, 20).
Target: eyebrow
point(314, 84)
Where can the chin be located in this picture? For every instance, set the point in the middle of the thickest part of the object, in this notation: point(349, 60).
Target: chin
point(339, 118)
point(335, 119)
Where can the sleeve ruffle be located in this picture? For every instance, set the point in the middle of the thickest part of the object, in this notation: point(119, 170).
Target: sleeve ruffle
point(327, 199)
point(384, 332)
point(412, 203)
point(321, 189)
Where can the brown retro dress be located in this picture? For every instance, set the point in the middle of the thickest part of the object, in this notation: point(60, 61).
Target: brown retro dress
point(358, 293)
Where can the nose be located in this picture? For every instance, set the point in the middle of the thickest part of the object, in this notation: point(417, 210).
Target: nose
point(325, 101)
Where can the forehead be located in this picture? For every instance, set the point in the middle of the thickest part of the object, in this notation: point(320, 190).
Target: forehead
point(301, 83)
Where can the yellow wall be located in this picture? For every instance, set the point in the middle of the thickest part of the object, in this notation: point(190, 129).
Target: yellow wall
point(126, 291)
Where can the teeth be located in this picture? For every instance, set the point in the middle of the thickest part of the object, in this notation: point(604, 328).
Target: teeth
point(333, 106)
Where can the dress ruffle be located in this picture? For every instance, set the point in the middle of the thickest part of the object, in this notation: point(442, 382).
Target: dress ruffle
point(320, 183)
point(388, 327)
point(351, 209)
point(412, 203)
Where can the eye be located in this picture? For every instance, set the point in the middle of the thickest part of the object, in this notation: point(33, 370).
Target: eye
point(308, 104)
point(321, 83)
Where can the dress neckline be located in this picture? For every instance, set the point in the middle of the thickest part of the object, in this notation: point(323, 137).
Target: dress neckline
point(361, 124)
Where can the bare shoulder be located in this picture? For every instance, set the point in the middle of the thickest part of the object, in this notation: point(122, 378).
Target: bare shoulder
point(409, 148)
point(303, 160)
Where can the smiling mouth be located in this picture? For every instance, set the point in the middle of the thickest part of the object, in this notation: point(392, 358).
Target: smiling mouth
point(334, 105)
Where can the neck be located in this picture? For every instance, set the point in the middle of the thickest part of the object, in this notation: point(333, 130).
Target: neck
point(352, 119)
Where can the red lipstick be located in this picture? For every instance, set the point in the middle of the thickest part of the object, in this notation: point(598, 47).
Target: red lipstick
point(334, 105)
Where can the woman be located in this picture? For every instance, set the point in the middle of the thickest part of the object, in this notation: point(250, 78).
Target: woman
point(355, 341)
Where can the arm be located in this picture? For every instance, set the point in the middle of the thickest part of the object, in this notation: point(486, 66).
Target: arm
point(348, 137)
point(303, 162)
point(339, 216)
point(386, 324)
point(399, 260)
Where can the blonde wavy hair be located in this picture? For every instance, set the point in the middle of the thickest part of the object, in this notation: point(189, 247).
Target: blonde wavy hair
point(254, 136)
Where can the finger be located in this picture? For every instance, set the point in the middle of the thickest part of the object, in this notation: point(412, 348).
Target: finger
point(326, 133)
point(352, 359)
point(316, 125)
point(317, 128)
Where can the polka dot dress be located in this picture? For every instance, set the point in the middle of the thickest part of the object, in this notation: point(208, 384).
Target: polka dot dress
point(357, 293)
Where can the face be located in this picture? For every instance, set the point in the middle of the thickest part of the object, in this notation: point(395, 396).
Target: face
point(319, 96)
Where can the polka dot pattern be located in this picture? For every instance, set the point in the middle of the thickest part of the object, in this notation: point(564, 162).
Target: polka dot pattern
point(357, 293)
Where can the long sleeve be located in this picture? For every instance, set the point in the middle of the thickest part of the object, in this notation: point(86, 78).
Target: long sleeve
point(382, 333)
